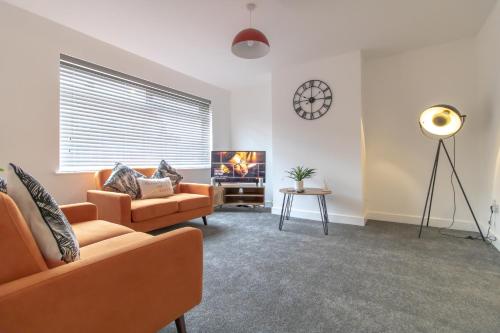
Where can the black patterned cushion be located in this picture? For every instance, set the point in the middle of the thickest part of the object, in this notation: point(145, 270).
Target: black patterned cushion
point(49, 226)
point(165, 170)
point(3, 185)
point(123, 179)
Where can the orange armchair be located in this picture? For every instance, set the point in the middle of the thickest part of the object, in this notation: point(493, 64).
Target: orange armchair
point(125, 281)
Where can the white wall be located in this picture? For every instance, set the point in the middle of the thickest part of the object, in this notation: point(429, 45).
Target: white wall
point(488, 60)
point(331, 144)
point(251, 123)
point(399, 158)
point(395, 90)
point(29, 95)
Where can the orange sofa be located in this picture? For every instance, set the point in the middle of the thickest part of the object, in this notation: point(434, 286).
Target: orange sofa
point(189, 201)
point(125, 281)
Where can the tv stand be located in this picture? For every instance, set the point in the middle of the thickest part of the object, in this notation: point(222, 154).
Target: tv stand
point(239, 194)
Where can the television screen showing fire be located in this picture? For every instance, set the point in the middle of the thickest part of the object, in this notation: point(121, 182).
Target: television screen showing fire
point(238, 166)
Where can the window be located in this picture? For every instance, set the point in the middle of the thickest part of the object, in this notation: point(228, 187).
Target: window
point(108, 117)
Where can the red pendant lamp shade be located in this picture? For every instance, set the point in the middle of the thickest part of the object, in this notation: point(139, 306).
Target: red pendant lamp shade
point(250, 43)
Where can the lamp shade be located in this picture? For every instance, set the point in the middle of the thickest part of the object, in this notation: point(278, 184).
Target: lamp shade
point(441, 121)
point(250, 44)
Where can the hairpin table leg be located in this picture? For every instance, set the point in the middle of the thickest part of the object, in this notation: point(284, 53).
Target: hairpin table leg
point(323, 212)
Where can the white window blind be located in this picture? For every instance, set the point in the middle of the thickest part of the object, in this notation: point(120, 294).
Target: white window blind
point(108, 117)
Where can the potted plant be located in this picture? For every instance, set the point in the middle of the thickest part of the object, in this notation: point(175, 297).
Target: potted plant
point(298, 174)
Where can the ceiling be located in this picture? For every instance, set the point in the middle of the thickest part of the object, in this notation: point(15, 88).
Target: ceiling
point(194, 36)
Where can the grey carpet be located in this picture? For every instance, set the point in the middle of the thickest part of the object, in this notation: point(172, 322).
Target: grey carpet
point(377, 278)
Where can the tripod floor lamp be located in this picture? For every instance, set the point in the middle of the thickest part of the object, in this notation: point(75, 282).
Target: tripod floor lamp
point(441, 122)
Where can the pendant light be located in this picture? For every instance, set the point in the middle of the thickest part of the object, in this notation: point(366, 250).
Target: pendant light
point(250, 43)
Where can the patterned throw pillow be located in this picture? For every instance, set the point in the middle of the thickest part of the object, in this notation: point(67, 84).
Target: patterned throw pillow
point(165, 170)
point(3, 185)
point(49, 226)
point(123, 179)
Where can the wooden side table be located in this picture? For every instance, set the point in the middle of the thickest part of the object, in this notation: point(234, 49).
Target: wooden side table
point(288, 195)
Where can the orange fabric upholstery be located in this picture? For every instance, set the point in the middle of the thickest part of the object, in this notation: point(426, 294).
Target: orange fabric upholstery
point(91, 232)
point(145, 215)
point(80, 212)
point(189, 201)
point(114, 243)
point(125, 281)
point(139, 287)
point(150, 208)
point(19, 253)
point(112, 207)
point(165, 221)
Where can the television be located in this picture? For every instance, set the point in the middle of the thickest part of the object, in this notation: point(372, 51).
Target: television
point(238, 166)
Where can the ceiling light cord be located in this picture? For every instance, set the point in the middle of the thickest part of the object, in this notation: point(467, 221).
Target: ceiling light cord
point(250, 9)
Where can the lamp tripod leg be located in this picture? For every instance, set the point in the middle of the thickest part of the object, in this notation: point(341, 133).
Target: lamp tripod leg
point(429, 191)
point(463, 192)
point(434, 181)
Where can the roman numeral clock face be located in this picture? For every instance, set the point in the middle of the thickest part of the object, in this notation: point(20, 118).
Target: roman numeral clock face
point(312, 99)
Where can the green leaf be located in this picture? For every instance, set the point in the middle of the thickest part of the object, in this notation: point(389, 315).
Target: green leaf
point(300, 173)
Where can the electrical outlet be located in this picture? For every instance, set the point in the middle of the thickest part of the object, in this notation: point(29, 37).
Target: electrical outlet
point(494, 206)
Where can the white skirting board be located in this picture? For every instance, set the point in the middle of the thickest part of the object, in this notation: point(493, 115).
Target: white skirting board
point(463, 225)
point(315, 216)
point(433, 222)
point(386, 217)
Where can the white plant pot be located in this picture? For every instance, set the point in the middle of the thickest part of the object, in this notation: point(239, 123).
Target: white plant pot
point(299, 186)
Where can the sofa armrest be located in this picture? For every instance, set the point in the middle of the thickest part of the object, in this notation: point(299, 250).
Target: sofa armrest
point(139, 288)
point(203, 189)
point(80, 212)
point(111, 206)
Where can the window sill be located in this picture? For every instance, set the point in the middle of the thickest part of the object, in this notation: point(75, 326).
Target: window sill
point(62, 172)
point(71, 172)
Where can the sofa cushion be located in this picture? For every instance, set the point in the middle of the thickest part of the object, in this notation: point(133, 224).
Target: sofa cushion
point(165, 170)
point(3, 185)
point(150, 208)
point(155, 188)
point(123, 180)
point(50, 227)
point(189, 201)
point(111, 244)
point(91, 232)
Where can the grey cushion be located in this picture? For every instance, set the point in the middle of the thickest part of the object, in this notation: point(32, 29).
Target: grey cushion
point(49, 226)
point(123, 179)
point(3, 185)
point(166, 170)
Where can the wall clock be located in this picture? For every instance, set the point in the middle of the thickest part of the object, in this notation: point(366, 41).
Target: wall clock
point(312, 99)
